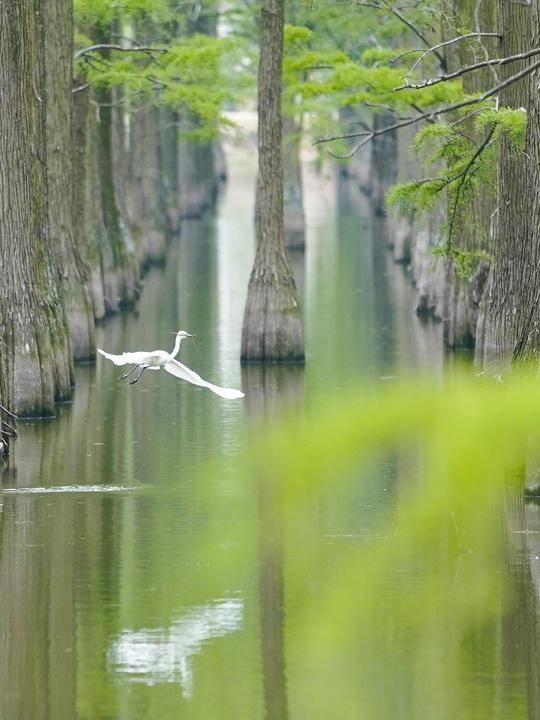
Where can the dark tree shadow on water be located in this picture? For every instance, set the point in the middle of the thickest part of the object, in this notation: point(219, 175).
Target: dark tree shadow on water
point(272, 390)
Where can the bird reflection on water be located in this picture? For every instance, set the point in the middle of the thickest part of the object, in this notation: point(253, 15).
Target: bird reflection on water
point(165, 655)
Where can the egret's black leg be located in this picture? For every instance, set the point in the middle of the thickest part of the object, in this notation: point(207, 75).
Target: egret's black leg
point(126, 375)
point(136, 379)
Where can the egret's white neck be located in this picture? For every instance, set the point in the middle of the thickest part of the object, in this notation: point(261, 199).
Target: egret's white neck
point(176, 348)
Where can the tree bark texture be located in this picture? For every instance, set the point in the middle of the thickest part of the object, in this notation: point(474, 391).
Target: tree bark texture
point(508, 325)
point(35, 361)
point(293, 203)
point(272, 328)
point(55, 20)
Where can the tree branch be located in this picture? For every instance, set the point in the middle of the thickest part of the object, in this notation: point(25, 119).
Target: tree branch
point(437, 47)
point(471, 68)
point(120, 48)
point(463, 177)
point(397, 13)
point(423, 38)
point(431, 115)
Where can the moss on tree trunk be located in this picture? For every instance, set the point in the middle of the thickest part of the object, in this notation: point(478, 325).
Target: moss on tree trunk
point(55, 22)
point(272, 328)
point(35, 360)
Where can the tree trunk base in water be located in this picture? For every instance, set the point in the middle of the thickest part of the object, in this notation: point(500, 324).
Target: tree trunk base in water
point(82, 334)
point(154, 244)
point(272, 330)
point(462, 297)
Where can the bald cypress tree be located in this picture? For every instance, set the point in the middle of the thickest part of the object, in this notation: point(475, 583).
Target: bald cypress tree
point(272, 328)
point(55, 33)
point(509, 322)
point(35, 360)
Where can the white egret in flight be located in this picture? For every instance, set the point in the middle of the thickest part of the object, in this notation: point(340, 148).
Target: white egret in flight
point(160, 359)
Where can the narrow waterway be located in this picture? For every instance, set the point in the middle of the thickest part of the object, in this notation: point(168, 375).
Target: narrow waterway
point(134, 586)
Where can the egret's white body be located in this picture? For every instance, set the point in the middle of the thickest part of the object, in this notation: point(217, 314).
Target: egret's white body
point(162, 360)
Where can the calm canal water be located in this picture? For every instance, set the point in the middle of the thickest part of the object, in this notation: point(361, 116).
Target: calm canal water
point(135, 585)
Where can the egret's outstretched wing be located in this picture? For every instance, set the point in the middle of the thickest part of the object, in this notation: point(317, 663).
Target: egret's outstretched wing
point(184, 373)
point(134, 358)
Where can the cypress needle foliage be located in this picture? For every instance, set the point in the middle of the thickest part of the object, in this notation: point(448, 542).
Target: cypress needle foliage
point(178, 70)
point(350, 60)
point(396, 65)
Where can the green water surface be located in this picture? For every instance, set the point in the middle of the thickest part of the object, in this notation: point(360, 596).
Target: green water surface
point(137, 582)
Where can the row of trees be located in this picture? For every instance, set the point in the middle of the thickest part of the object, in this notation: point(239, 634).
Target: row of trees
point(109, 141)
point(99, 164)
point(463, 76)
point(458, 81)
point(95, 175)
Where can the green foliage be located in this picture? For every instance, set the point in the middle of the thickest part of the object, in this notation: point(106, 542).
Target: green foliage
point(466, 161)
point(101, 13)
point(465, 261)
point(460, 153)
point(186, 74)
point(186, 71)
point(425, 575)
point(507, 121)
point(415, 197)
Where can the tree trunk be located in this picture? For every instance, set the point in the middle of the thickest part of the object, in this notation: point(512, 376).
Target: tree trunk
point(118, 253)
point(167, 156)
point(145, 206)
point(508, 325)
point(272, 327)
point(198, 174)
point(87, 213)
point(55, 20)
point(198, 161)
point(462, 296)
point(35, 356)
point(293, 203)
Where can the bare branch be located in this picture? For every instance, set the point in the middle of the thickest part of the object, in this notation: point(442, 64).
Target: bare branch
point(80, 88)
point(423, 38)
point(437, 47)
point(471, 68)
point(120, 48)
point(397, 13)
